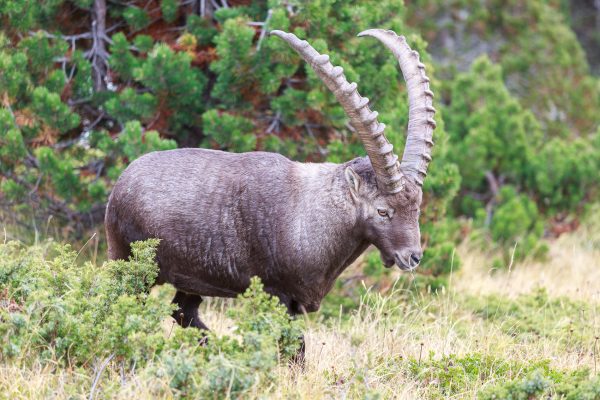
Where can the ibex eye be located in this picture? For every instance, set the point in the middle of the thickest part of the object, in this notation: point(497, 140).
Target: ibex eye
point(382, 212)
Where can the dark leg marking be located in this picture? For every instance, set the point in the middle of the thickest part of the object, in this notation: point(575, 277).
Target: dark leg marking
point(187, 313)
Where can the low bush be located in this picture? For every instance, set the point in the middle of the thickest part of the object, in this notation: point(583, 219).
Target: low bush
point(531, 316)
point(545, 385)
point(60, 312)
point(501, 378)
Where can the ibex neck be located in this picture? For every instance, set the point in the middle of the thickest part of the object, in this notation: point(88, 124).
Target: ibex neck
point(324, 237)
point(326, 197)
point(325, 211)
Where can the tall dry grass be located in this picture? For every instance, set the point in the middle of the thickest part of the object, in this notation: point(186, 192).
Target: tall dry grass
point(572, 269)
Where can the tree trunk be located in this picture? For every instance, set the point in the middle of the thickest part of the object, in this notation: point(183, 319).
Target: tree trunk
point(98, 53)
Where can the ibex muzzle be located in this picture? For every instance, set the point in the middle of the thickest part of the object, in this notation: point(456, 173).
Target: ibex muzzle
point(223, 218)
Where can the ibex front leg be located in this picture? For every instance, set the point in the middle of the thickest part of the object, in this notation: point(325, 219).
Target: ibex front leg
point(294, 310)
point(187, 313)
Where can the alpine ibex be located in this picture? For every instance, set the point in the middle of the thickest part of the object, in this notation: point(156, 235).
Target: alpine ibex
point(223, 218)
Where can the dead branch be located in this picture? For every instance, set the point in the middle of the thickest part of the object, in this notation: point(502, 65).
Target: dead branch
point(323, 151)
point(98, 54)
point(492, 182)
point(494, 188)
point(275, 124)
point(264, 28)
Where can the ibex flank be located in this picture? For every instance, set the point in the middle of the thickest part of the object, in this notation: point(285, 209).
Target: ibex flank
point(223, 218)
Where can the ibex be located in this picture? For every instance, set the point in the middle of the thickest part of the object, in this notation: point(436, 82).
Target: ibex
point(223, 218)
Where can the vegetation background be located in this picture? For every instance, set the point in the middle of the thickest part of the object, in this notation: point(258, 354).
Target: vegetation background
point(506, 301)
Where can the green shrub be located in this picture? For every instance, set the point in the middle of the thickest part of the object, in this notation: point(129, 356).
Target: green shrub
point(536, 314)
point(129, 105)
point(60, 312)
point(229, 131)
point(72, 314)
point(545, 385)
point(452, 374)
point(136, 17)
point(517, 226)
point(529, 388)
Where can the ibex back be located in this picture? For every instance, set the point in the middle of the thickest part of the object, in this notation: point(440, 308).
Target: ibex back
point(223, 218)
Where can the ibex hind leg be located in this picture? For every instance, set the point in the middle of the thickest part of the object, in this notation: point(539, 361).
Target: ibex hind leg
point(187, 313)
point(118, 249)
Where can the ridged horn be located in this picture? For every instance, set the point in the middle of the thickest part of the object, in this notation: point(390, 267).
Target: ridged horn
point(370, 131)
point(419, 138)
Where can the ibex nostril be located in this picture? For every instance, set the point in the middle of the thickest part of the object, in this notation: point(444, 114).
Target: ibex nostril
point(415, 259)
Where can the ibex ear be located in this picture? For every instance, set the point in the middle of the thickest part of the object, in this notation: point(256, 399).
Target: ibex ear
point(353, 181)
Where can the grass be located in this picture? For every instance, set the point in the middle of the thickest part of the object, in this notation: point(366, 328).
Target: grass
point(526, 330)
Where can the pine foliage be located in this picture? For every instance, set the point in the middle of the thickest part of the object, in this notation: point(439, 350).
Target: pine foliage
point(83, 93)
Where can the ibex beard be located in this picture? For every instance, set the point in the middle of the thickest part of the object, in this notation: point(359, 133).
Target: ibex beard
point(223, 218)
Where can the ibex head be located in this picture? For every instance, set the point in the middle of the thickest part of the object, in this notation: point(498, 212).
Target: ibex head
point(387, 195)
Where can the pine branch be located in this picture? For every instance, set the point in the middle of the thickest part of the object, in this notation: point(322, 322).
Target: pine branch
point(55, 207)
